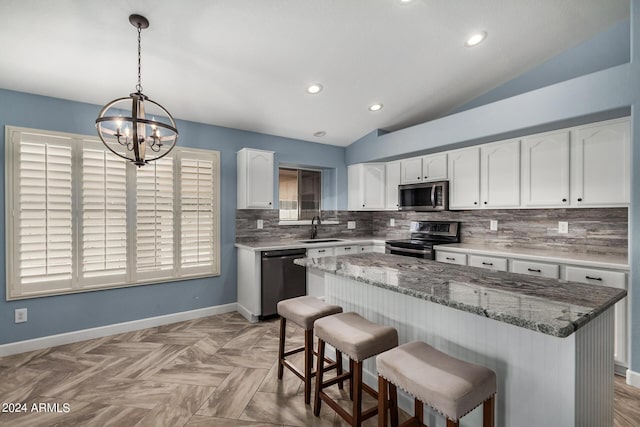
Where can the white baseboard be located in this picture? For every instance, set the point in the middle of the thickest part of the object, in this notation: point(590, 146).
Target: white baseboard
point(117, 328)
point(633, 378)
point(247, 314)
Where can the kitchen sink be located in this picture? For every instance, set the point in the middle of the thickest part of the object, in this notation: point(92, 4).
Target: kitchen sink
point(321, 240)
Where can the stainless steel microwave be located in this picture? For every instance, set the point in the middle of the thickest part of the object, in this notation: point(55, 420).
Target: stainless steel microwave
point(424, 196)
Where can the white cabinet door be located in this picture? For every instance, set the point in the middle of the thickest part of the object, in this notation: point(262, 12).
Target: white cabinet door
point(615, 279)
point(464, 173)
point(255, 179)
point(434, 167)
point(319, 252)
point(411, 170)
point(392, 180)
point(451, 258)
point(500, 174)
point(366, 186)
point(365, 248)
point(600, 170)
point(533, 268)
point(545, 169)
point(488, 262)
point(347, 250)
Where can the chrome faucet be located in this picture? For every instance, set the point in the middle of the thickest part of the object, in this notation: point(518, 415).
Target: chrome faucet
point(314, 227)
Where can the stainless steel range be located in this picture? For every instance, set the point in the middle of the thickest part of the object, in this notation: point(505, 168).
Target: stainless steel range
point(425, 234)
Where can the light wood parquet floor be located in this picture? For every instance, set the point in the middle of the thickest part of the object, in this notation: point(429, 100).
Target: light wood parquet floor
point(215, 371)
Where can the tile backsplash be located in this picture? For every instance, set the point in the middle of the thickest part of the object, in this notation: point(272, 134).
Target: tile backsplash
point(594, 231)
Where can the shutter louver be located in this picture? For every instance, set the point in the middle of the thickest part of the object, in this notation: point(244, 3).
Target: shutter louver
point(104, 214)
point(45, 212)
point(197, 205)
point(154, 216)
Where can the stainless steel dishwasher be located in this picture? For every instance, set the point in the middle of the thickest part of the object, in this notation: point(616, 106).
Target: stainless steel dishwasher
point(281, 278)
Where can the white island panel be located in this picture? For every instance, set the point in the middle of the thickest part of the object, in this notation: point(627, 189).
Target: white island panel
point(543, 380)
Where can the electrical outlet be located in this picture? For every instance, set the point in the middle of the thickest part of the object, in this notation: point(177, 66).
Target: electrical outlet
point(351, 225)
point(563, 227)
point(21, 315)
point(392, 222)
point(260, 224)
point(493, 225)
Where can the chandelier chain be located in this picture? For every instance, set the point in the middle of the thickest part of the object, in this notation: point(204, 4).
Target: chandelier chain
point(139, 85)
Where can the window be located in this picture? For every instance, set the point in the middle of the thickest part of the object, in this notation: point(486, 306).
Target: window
point(80, 218)
point(299, 193)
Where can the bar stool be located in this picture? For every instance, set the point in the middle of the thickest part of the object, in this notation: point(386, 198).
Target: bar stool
point(303, 311)
point(449, 385)
point(359, 339)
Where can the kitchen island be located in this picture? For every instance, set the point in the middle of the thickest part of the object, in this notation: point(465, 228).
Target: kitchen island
point(550, 342)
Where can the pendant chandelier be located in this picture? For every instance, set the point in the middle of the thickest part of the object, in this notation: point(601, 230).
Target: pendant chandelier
point(124, 125)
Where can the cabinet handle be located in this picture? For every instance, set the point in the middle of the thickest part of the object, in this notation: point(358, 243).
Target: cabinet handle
point(450, 258)
point(363, 205)
point(347, 248)
point(487, 263)
point(425, 177)
point(564, 200)
point(322, 251)
point(485, 203)
point(579, 199)
point(269, 203)
point(535, 270)
point(593, 278)
point(418, 178)
point(475, 203)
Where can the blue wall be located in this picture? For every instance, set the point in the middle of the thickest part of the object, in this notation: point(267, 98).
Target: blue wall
point(64, 313)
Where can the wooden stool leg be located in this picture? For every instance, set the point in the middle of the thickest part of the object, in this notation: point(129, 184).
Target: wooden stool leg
point(393, 404)
point(351, 363)
point(283, 329)
point(339, 368)
point(383, 403)
point(418, 411)
point(308, 364)
point(357, 394)
point(319, 375)
point(488, 412)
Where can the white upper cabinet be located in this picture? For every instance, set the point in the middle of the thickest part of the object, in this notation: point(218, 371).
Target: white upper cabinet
point(423, 169)
point(500, 174)
point(392, 180)
point(600, 170)
point(255, 179)
point(434, 167)
point(545, 169)
point(464, 175)
point(366, 186)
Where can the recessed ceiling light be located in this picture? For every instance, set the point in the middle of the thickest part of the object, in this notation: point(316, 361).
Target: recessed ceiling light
point(476, 39)
point(375, 107)
point(406, 1)
point(320, 134)
point(314, 88)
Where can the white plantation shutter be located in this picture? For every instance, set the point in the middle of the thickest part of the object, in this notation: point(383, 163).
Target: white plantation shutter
point(44, 213)
point(154, 216)
point(197, 220)
point(80, 218)
point(104, 214)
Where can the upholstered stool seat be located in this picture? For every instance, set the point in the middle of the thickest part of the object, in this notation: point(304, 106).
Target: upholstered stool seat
point(359, 339)
point(451, 386)
point(302, 311)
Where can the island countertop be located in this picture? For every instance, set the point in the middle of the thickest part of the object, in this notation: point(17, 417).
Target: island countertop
point(553, 307)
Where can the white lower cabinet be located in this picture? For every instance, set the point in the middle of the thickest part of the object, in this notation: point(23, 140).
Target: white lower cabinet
point(319, 252)
point(451, 258)
point(614, 279)
point(533, 268)
point(488, 262)
point(365, 248)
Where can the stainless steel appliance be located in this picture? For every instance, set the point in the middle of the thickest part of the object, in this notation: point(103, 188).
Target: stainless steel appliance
point(424, 196)
point(425, 234)
point(281, 278)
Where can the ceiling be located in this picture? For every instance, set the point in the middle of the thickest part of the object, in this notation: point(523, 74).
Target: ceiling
point(246, 63)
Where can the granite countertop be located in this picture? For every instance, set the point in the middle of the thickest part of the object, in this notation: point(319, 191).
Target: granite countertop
point(298, 243)
point(553, 307)
point(544, 255)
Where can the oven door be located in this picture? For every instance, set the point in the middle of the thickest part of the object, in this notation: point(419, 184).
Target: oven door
point(426, 253)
